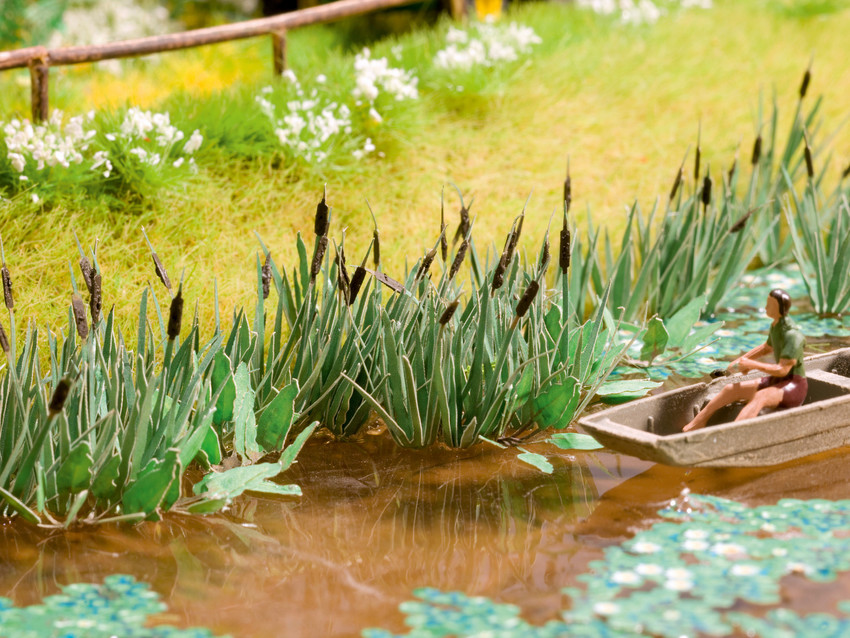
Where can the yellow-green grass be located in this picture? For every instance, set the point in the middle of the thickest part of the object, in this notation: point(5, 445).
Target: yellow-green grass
point(624, 104)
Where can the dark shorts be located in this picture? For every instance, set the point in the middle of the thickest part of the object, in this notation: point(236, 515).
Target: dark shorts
point(794, 389)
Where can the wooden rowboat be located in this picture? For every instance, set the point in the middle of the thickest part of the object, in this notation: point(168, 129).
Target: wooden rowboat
point(651, 428)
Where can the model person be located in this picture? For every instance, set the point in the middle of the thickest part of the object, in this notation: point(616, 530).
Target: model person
point(784, 387)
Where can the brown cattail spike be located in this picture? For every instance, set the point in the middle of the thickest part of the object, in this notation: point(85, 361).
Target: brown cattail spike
point(356, 283)
point(804, 85)
point(846, 172)
point(756, 151)
point(527, 298)
point(86, 270)
point(4, 340)
point(175, 315)
point(564, 254)
point(322, 222)
point(266, 275)
point(706, 189)
point(696, 164)
point(732, 169)
point(444, 241)
point(513, 240)
point(60, 395)
point(7, 288)
point(676, 183)
point(318, 256)
point(461, 253)
point(568, 188)
point(498, 276)
point(810, 165)
point(342, 280)
point(376, 248)
point(96, 299)
point(544, 255)
point(160, 272)
point(79, 310)
point(738, 226)
point(425, 266)
point(449, 312)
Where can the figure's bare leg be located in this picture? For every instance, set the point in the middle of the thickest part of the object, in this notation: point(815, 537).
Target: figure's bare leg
point(767, 398)
point(729, 394)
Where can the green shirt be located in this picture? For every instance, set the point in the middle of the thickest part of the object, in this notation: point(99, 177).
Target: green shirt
point(787, 342)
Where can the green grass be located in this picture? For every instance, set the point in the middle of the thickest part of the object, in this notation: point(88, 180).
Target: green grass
point(623, 103)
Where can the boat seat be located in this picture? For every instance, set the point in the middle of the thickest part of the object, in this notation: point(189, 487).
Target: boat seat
point(829, 377)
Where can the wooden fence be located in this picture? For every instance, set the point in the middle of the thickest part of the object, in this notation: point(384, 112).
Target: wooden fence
point(39, 59)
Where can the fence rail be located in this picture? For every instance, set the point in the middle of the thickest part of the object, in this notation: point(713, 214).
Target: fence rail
point(39, 59)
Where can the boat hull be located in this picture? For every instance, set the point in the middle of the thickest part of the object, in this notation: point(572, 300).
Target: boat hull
point(651, 428)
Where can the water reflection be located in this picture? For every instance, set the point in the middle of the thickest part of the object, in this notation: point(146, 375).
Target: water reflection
point(376, 522)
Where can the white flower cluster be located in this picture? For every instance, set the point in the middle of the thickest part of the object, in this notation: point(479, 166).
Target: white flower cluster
point(102, 21)
point(309, 124)
point(375, 74)
point(640, 11)
point(491, 44)
point(48, 144)
point(143, 128)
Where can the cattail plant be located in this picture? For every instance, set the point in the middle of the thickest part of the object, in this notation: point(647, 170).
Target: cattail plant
point(526, 300)
point(175, 315)
point(425, 266)
point(706, 189)
point(267, 275)
point(86, 271)
point(60, 395)
point(756, 150)
point(846, 172)
point(676, 183)
point(444, 240)
point(343, 283)
point(79, 310)
point(465, 222)
point(698, 153)
point(161, 274)
point(564, 250)
point(807, 153)
point(357, 280)
point(318, 256)
point(568, 188)
point(459, 257)
point(449, 312)
point(322, 221)
point(96, 298)
point(4, 340)
point(804, 85)
point(7, 279)
point(738, 226)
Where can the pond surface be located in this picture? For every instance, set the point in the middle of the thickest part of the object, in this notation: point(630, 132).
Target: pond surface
point(376, 522)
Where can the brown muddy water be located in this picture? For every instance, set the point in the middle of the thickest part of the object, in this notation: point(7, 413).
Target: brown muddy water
point(375, 522)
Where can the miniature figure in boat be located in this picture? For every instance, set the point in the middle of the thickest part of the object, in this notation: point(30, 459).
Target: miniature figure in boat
point(785, 385)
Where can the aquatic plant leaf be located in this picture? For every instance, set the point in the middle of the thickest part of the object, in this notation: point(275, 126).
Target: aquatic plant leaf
point(211, 446)
point(556, 405)
point(292, 450)
point(575, 441)
point(150, 488)
point(74, 473)
point(222, 375)
point(679, 325)
point(537, 460)
point(18, 505)
point(625, 389)
point(244, 421)
point(277, 418)
point(654, 340)
point(105, 485)
point(233, 482)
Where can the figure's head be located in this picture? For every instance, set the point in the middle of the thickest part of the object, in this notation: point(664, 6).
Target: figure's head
point(778, 303)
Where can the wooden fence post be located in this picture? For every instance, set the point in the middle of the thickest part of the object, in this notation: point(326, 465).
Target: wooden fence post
point(279, 51)
point(39, 88)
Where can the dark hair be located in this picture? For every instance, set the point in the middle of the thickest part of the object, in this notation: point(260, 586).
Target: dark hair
point(783, 299)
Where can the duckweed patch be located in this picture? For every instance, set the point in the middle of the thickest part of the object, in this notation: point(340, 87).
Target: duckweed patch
point(121, 606)
point(711, 566)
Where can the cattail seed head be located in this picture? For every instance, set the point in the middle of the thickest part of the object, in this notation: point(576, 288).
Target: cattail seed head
point(568, 189)
point(804, 85)
point(356, 283)
point(846, 172)
point(160, 272)
point(498, 276)
point(4, 340)
point(376, 248)
point(425, 266)
point(449, 312)
point(738, 226)
point(322, 221)
point(175, 315)
point(60, 395)
point(96, 299)
point(676, 183)
point(756, 150)
point(266, 275)
point(732, 169)
point(564, 256)
point(343, 282)
point(86, 270)
point(513, 240)
point(461, 253)
point(706, 190)
point(544, 255)
point(79, 310)
point(696, 163)
point(318, 256)
point(7, 288)
point(527, 298)
point(810, 165)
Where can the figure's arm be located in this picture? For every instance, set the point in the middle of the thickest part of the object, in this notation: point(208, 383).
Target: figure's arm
point(756, 353)
point(780, 369)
